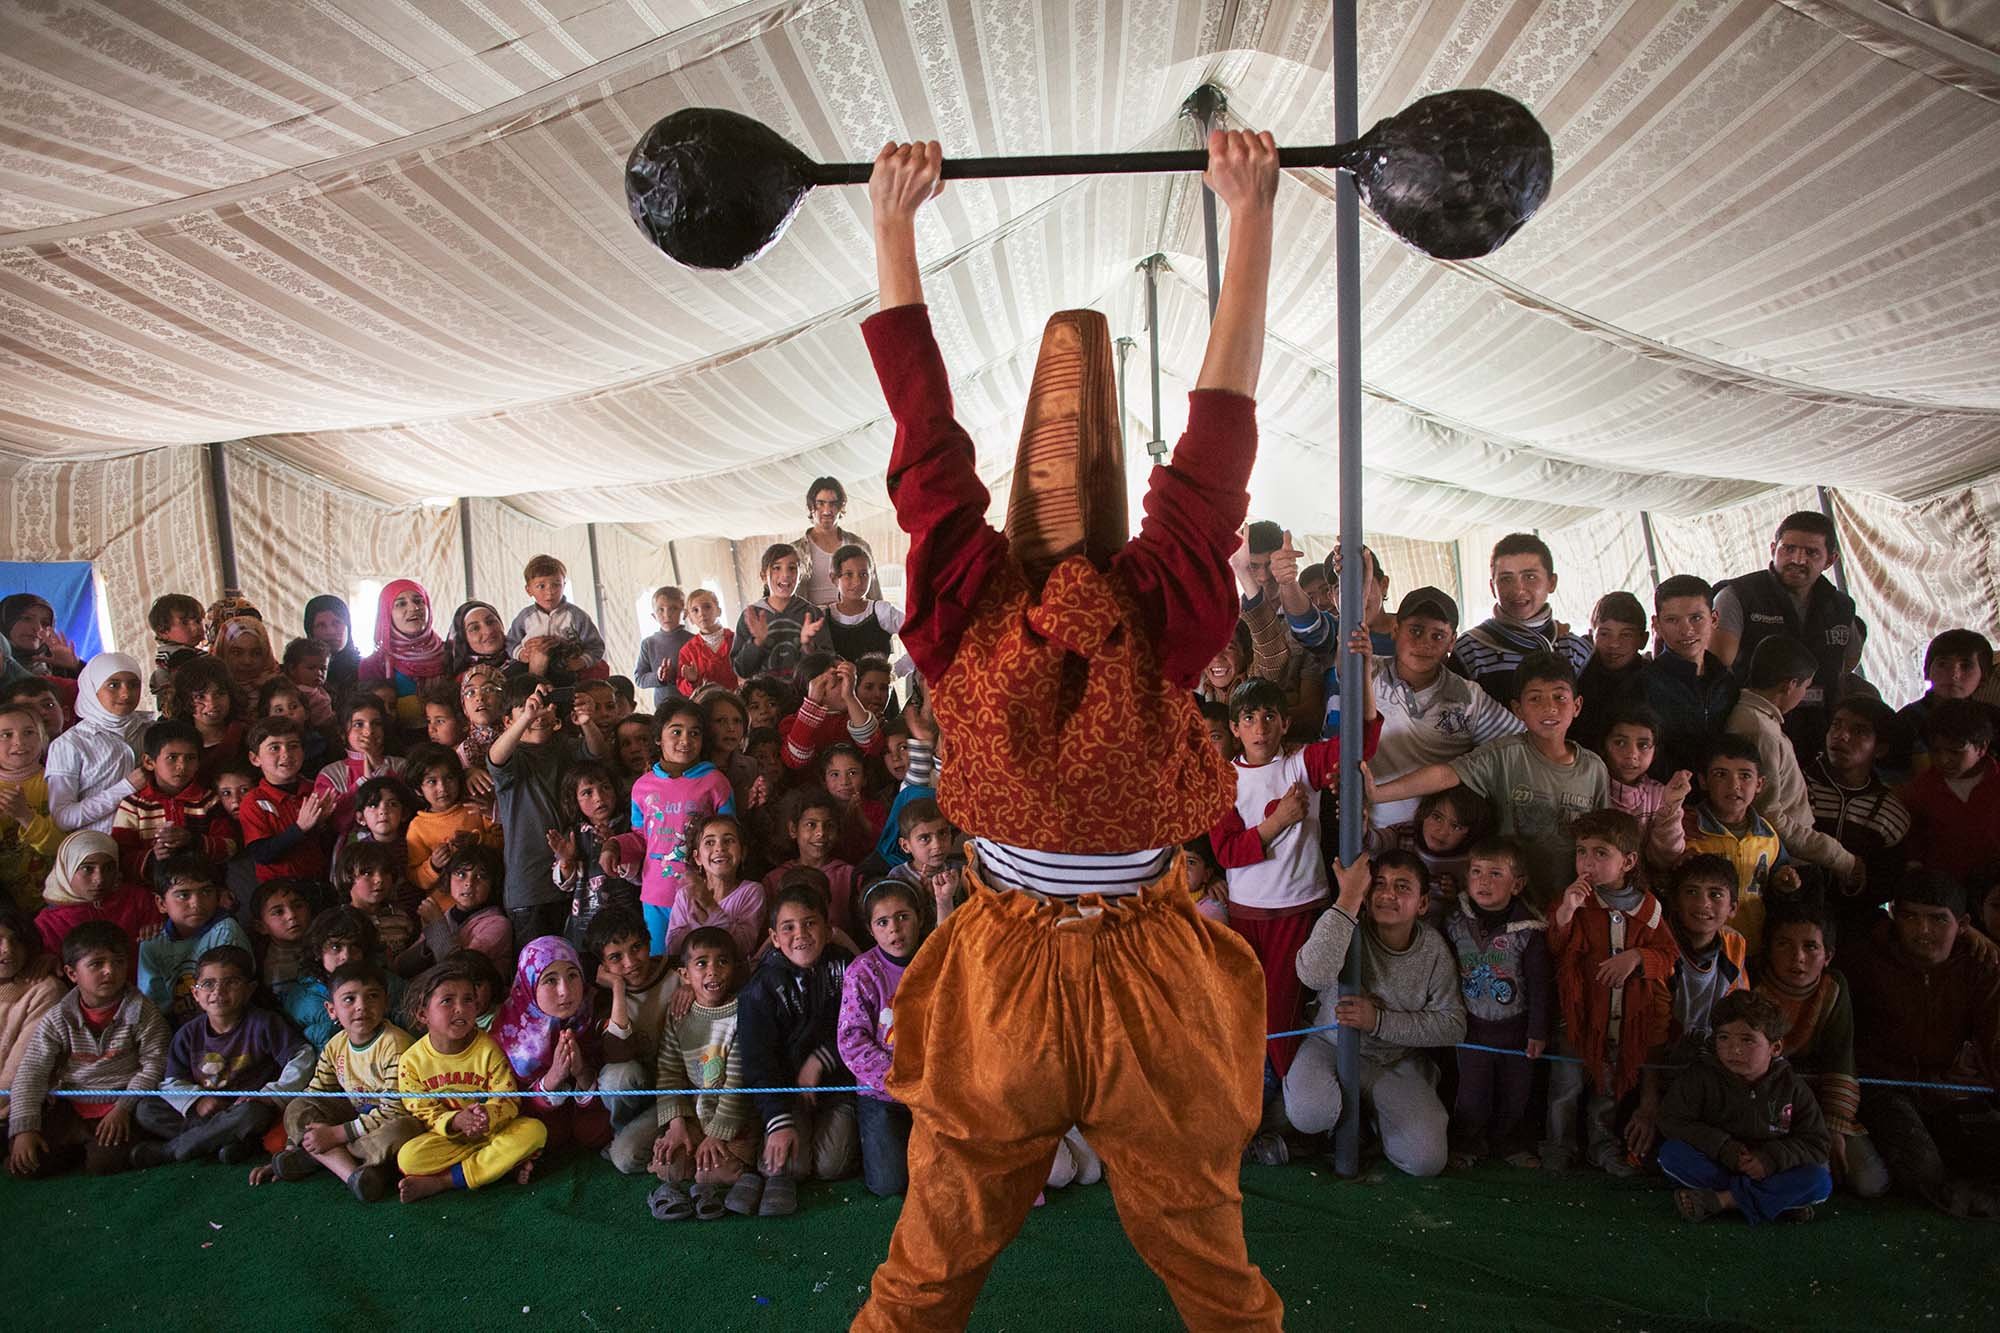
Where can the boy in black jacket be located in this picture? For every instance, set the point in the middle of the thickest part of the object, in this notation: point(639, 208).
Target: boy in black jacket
point(1742, 1129)
point(786, 1018)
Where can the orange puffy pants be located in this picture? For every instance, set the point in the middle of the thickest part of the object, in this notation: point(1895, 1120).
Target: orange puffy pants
point(1135, 1019)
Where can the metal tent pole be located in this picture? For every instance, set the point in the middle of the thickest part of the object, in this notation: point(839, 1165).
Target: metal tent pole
point(596, 581)
point(225, 529)
point(1652, 550)
point(1150, 265)
point(465, 542)
point(1347, 350)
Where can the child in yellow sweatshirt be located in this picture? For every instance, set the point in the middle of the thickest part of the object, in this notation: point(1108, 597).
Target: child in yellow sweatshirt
point(470, 1140)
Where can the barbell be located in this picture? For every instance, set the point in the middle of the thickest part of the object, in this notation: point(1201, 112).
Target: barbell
point(1454, 174)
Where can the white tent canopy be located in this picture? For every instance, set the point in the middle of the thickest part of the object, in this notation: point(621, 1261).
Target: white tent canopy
point(384, 250)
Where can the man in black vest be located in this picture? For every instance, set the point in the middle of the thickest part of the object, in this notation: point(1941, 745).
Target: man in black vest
point(1792, 597)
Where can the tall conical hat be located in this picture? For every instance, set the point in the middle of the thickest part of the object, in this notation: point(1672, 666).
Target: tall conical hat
point(1068, 492)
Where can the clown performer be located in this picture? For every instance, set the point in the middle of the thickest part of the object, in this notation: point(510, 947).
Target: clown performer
point(1077, 986)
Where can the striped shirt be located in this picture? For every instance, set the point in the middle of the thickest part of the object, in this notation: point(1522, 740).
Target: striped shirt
point(1070, 874)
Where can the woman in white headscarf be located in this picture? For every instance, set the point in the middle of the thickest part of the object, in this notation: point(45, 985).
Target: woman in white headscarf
point(94, 765)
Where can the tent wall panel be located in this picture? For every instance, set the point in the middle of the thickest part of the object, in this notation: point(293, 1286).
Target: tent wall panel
point(629, 566)
point(145, 521)
point(297, 536)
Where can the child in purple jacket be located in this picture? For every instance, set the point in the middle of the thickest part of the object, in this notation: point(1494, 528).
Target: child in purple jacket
point(866, 1037)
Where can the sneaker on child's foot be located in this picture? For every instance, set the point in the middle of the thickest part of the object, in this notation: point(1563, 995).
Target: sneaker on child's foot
point(1269, 1149)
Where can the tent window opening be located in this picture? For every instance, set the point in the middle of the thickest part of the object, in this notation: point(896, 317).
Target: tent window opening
point(361, 606)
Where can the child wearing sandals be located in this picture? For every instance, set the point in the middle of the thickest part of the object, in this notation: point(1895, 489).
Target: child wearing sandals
point(337, 1123)
point(707, 1142)
point(468, 1139)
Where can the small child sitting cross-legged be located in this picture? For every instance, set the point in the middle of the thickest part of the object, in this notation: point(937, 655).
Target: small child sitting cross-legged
point(469, 1140)
point(548, 1027)
point(338, 1123)
point(104, 1036)
point(640, 987)
point(708, 1140)
point(232, 1047)
point(1742, 1128)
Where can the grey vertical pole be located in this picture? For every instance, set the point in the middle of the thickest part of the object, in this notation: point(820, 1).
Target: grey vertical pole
point(1347, 351)
point(1204, 106)
point(1156, 446)
point(465, 543)
point(1839, 566)
point(596, 583)
point(674, 562)
point(225, 530)
point(1652, 551)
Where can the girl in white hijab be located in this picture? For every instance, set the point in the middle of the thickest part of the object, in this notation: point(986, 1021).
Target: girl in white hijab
point(94, 765)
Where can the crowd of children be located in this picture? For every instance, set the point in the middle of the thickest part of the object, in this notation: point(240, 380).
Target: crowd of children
point(468, 864)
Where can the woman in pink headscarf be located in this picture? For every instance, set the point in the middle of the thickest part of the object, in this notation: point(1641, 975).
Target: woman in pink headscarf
point(409, 653)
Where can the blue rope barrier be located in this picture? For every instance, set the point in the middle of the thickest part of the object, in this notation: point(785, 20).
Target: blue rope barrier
point(85, 1094)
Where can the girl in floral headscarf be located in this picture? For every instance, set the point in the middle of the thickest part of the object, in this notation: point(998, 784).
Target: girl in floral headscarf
point(243, 644)
point(548, 1028)
point(409, 653)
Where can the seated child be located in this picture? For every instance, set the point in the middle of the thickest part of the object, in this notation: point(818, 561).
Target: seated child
point(488, 987)
point(30, 985)
point(83, 886)
point(707, 658)
point(1207, 883)
point(1818, 1008)
point(866, 1034)
point(548, 1028)
point(280, 913)
point(713, 891)
point(933, 871)
point(468, 1140)
point(305, 667)
point(831, 712)
point(284, 820)
point(104, 1036)
point(1409, 1002)
point(639, 989)
point(1742, 1129)
point(1852, 803)
point(383, 808)
point(336, 1121)
point(1629, 746)
point(368, 726)
point(708, 1140)
point(1727, 824)
point(171, 811)
point(185, 893)
point(1538, 781)
point(551, 615)
point(233, 1047)
point(724, 725)
point(448, 821)
point(593, 819)
point(789, 1012)
point(175, 620)
point(812, 827)
point(473, 921)
point(1508, 981)
point(844, 775)
point(28, 835)
point(1955, 803)
point(1613, 953)
point(1927, 1010)
point(337, 936)
point(1613, 675)
point(235, 779)
point(1270, 843)
point(681, 788)
point(369, 878)
point(1713, 957)
point(1447, 824)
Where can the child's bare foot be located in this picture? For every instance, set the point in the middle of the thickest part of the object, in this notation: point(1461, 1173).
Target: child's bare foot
point(526, 1171)
point(414, 1188)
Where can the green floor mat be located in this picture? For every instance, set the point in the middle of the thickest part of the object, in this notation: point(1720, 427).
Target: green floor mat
point(1496, 1248)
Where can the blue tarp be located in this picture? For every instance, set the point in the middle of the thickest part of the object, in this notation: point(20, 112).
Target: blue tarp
point(69, 588)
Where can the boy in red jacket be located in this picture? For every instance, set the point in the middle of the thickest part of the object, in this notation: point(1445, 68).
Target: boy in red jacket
point(1613, 953)
point(282, 816)
point(1076, 986)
